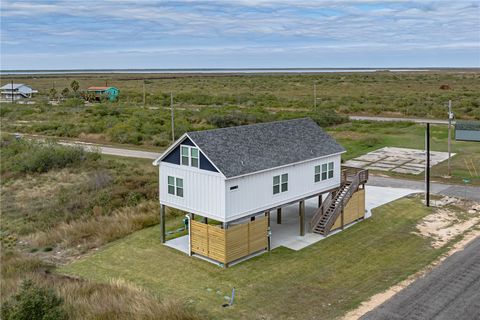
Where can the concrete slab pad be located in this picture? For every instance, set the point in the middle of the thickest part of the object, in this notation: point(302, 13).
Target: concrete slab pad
point(180, 243)
point(407, 170)
point(356, 163)
point(395, 159)
point(375, 167)
point(378, 196)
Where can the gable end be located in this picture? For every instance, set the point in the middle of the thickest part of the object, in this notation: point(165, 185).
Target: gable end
point(174, 156)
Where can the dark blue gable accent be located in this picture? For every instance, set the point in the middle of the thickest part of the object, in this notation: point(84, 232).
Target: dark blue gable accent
point(205, 164)
point(174, 157)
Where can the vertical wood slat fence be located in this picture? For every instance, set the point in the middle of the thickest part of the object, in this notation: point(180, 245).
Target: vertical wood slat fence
point(354, 210)
point(233, 243)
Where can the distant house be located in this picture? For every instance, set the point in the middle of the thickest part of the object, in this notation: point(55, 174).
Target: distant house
point(16, 91)
point(467, 130)
point(111, 93)
point(236, 176)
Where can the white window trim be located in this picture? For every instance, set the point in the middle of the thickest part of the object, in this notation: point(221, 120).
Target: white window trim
point(189, 148)
point(327, 171)
point(175, 186)
point(280, 183)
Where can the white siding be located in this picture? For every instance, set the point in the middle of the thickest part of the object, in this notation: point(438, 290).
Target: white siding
point(203, 191)
point(255, 192)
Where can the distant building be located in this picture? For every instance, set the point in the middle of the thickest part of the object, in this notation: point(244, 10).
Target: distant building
point(467, 130)
point(110, 92)
point(16, 91)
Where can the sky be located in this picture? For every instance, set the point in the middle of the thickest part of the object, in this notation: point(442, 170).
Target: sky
point(127, 34)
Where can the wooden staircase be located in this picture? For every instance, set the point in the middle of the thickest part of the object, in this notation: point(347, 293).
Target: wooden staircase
point(332, 207)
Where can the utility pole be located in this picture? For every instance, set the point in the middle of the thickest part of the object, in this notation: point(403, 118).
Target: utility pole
point(172, 115)
point(427, 166)
point(315, 96)
point(144, 93)
point(11, 93)
point(450, 118)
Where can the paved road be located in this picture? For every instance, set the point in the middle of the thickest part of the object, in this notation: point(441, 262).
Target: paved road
point(114, 151)
point(472, 193)
point(391, 119)
point(451, 291)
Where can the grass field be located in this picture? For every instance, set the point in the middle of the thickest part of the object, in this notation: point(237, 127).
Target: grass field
point(325, 279)
point(210, 101)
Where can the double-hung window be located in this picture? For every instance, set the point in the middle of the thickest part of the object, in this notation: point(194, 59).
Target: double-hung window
point(175, 186)
point(189, 156)
point(330, 170)
point(323, 172)
point(280, 183)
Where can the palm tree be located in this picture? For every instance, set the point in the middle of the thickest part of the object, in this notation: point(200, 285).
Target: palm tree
point(75, 86)
point(65, 92)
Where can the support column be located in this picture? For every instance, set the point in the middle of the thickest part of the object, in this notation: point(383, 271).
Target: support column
point(279, 216)
point(205, 220)
point(320, 200)
point(267, 214)
point(343, 221)
point(302, 217)
point(162, 223)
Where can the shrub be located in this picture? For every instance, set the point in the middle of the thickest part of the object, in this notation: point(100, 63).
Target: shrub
point(326, 118)
point(124, 133)
point(33, 303)
point(43, 158)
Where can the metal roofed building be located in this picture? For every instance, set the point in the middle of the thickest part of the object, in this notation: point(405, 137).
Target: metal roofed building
point(16, 91)
point(236, 176)
point(467, 130)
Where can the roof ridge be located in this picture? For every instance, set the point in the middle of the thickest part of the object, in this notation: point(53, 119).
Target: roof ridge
point(252, 125)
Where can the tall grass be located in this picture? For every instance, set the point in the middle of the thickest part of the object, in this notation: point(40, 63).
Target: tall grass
point(91, 232)
point(89, 300)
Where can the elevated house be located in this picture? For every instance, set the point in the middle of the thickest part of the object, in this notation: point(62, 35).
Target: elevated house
point(16, 91)
point(111, 93)
point(237, 176)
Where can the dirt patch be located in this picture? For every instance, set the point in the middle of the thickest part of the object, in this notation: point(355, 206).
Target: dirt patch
point(447, 223)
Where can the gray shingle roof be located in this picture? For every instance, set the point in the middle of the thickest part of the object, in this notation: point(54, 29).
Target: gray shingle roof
point(251, 148)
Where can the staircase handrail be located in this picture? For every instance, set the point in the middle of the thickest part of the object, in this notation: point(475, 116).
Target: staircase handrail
point(350, 190)
point(320, 211)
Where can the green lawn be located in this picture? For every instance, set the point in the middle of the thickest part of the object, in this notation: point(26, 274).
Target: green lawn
point(325, 279)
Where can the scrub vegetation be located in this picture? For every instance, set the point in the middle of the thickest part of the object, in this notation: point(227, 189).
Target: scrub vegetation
point(59, 202)
point(331, 276)
point(210, 101)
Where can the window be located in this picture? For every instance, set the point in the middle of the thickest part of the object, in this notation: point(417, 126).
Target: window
point(189, 156)
point(185, 160)
point(280, 183)
point(194, 157)
point(317, 173)
point(175, 186)
point(233, 188)
point(179, 187)
point(323, 172)
point(171, 185)
point(330, 170)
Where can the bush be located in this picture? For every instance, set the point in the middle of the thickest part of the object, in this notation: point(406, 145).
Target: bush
point(326, 118)
point(33, 303)
point(19, 155)
point(124, 133)
point(43, 158)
